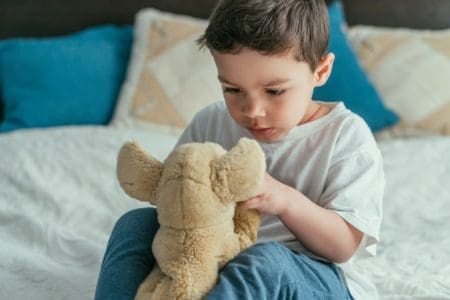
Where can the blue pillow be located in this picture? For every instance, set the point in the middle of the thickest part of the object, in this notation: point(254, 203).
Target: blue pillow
point(68, 80)
point(348, 81)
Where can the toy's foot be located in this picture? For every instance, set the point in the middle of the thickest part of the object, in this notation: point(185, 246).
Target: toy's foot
point(151, 286)
point(161, 292)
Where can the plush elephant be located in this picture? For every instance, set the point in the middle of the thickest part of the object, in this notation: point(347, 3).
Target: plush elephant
point(196, 191)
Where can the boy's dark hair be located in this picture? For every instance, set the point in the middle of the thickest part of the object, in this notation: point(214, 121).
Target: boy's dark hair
point(269, 27)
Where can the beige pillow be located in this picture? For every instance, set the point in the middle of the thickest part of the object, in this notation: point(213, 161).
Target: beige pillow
point(411, 71)
point(168, 79)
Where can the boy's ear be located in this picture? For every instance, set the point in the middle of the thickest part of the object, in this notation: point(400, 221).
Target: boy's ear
point(323, 70)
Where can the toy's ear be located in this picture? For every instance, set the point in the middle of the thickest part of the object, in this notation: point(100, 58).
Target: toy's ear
point(138, 172)
point(238, 175)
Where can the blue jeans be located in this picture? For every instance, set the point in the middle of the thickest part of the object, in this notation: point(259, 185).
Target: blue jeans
point(264, 271)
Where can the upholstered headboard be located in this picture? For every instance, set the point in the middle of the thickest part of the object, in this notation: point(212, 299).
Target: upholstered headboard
point(419, 14)
point(54, 17)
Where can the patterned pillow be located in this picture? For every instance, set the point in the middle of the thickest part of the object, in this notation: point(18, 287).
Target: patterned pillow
point(153, 95)
point(411, 70)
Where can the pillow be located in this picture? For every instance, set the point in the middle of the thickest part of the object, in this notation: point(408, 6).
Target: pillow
point(169, 79)
point(348, 81)
point(66, 80)
point(411, 70)
point(1, 108)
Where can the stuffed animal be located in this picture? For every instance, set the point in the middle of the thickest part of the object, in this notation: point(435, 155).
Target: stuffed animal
point(195, 191)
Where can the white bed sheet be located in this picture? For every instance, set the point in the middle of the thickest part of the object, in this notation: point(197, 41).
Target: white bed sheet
point(413, 260)
point(59, 199)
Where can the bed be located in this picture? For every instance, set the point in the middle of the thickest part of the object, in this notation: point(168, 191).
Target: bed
point(109, 80)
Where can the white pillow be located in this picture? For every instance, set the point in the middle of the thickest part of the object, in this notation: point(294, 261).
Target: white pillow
point(169, 79)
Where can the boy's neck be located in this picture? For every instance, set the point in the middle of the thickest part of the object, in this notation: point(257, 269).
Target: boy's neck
point(314, 112)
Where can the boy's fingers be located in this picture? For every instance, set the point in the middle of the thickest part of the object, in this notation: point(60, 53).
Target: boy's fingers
point(251, 202)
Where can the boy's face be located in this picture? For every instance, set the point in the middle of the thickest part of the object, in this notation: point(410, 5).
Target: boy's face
point(267, 94)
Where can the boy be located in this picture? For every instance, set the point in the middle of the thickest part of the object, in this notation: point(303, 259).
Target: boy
point(321, 201)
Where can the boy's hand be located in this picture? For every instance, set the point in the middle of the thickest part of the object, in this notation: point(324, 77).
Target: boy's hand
point(271, 200)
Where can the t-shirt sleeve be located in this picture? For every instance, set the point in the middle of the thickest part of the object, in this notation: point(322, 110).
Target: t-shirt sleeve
point(354, 190)
point(195, 131)
point(189, 134)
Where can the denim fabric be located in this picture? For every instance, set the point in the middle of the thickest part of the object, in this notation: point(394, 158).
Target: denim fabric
point(264, 271)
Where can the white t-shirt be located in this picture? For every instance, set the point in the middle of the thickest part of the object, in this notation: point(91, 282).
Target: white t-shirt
point(334, 161)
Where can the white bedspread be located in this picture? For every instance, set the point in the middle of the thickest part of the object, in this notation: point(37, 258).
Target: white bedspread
point(59, 199)
point(413, 260)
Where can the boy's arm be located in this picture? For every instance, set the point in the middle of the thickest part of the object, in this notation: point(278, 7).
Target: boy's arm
point(320, 230)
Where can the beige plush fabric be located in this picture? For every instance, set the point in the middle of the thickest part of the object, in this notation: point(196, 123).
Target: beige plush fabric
point(169, 79)
point(411, 71)
point(196, 191)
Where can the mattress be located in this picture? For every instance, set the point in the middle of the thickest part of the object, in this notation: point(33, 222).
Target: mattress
point(59, 199)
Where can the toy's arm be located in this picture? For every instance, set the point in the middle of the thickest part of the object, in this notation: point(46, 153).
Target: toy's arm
point(246, 225)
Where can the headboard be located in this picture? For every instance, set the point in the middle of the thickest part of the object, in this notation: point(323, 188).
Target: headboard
point(55, 17)
point(420, 14)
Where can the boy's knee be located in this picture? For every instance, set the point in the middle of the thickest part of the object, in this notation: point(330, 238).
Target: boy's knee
point(142, 219)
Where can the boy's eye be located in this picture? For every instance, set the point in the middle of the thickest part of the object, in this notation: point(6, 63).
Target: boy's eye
point(275, 92)
point(231, 90)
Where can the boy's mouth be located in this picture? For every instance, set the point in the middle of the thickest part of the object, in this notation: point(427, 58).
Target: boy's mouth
point(260, 131)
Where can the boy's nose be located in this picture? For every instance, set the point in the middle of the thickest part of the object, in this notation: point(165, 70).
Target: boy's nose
point(252, 109)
